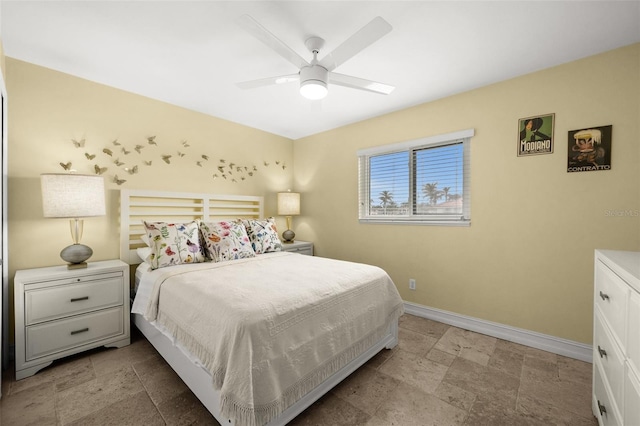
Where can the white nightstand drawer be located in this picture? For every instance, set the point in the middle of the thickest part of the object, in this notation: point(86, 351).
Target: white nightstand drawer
point(300, 247)
point(50, 303)
point(611, 294)
point(57, 336)
point(608, 355)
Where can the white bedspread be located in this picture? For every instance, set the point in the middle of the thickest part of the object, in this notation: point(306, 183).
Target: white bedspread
point(271, 328)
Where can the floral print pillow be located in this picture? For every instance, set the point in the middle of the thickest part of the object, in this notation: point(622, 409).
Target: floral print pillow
point(226, 240)
point(263, 235)
point(173, 243)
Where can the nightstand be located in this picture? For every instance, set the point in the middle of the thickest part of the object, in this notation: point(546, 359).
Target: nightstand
point(301, 247)
point(60, 312)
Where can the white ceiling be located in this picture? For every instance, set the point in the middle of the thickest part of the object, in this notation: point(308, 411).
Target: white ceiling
point(191, 54)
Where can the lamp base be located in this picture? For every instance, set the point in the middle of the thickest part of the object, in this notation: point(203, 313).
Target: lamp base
point(288, 236)
point(80, 265)
point(76, 255)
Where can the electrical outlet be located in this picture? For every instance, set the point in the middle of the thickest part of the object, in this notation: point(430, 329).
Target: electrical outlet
point(412, 284)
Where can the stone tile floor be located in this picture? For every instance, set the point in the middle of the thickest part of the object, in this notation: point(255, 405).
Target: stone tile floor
point(438, 375)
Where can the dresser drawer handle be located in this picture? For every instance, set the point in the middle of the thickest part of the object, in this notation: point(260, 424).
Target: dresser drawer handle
point(78, 299)
point(604, 296)
point(602, 352)
point(602, 408)
point(80, 331)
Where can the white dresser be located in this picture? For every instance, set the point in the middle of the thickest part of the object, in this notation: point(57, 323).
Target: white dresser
point(616, 338)
point(60, 311)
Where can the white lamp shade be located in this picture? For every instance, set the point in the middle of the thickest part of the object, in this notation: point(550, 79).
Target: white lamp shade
point(288, 203)
point(72, 195)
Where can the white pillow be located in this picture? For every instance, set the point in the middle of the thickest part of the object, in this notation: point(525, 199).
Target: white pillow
point(144, 253)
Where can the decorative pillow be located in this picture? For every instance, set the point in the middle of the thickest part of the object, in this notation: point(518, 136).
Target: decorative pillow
point(263, 235)
point(173, 243)
point(226, 241)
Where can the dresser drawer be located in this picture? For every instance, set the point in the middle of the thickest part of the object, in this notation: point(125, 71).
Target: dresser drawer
point(45, 304)
point(633, 333)
point(632, 399)
point(57, 336)
point(611, 294)
point(603, 407)
point(608, 355)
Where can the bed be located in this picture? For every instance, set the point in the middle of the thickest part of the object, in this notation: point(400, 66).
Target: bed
point(259, 338)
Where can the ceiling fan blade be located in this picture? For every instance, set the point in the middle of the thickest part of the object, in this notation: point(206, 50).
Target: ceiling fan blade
point(261, 33)
point(360, 83)
point(269, 81)
point(366, 36)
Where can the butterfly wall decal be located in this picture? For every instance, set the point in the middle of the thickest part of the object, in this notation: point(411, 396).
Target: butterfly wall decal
point(107, 151)
point(89, 156)
point(180, 154)
point(138, 148)
point(148, 163)
point(78, 144)
point(124, 150)
point(152, 140)
point(99, 170)
point(117, 162)
point(205, 157)
point(199, 163)
point(166, 159)
point(115, 142)
point(133, 170)
point(66, 166)
point(118, 181)
point(185, 144)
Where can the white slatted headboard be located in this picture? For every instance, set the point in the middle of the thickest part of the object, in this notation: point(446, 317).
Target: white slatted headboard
point(158, 206)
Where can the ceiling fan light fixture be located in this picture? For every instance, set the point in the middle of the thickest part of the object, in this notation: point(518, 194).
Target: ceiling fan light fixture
point(313, 89)
point(313, 82)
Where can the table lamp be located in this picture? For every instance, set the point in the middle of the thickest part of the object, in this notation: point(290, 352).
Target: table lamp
point(73, 196)
point(288, 205)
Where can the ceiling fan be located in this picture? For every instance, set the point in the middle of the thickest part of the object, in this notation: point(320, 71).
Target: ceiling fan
point(315, 75)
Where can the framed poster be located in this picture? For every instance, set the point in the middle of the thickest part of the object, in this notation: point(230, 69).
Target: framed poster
point(589, 149)
point(535, 135)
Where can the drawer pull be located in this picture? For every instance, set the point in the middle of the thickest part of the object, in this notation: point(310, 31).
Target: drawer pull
point(602, 352)
point(604, 296)
point(602, 408)
point(78, 299)
point(80, 331)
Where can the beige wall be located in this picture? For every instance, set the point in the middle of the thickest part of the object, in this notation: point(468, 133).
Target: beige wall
point(48, 109)
point(527, 258)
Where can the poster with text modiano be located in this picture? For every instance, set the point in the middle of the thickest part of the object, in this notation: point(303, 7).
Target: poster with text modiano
point(535, 135)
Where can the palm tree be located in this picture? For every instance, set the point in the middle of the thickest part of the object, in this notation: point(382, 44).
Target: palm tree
point(385, 198)
point(445, 192)
point(430, 191)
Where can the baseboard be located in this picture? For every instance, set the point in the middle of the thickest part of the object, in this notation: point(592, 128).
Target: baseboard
point(532, 339)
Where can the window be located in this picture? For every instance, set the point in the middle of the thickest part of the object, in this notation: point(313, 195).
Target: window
point(425, 181)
